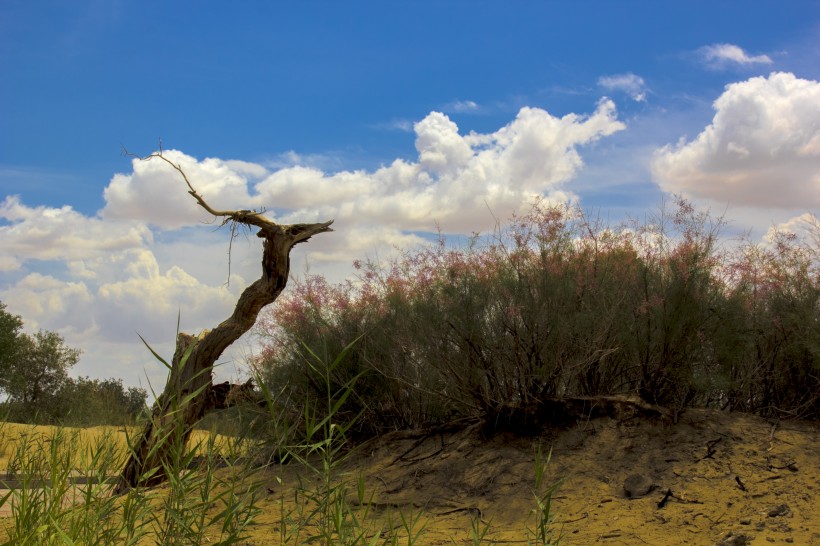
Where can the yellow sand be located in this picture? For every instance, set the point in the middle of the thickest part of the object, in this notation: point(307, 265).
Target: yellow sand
point(733, 479)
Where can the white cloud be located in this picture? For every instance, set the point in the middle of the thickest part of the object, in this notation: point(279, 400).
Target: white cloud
point(724, 55)
point(462, 106)
point(762, 148)
point(455, 179)
point(149, 297)
point(46, 302)
point(154, 192)
point(345, 246)
point(629, 83)
point(290, 158)
point(129, 293)
point(245, 168)
point(403, 125)
point(43, 233)
point(441, 149)
point(142, 298)
point(806, 227)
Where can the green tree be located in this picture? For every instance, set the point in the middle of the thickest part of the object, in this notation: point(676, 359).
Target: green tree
point(36, 387)
point(85, 402)
point(42, 366)
point(10, 326)
point(38, 371)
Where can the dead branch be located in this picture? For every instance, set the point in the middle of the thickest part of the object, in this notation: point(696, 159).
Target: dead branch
point(190, 393)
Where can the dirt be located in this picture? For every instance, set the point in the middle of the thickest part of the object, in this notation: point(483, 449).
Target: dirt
point(625, 478)
point(709, 478)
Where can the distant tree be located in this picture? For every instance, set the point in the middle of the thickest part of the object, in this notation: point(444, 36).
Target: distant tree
point(87, 402)
point(37, 389)
point(37, 372)
point(10, 326)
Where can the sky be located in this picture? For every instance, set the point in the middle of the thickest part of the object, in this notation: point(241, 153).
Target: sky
point(395, 119)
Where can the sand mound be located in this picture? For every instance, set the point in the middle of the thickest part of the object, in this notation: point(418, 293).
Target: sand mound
point(627, 477)
point(710, 478)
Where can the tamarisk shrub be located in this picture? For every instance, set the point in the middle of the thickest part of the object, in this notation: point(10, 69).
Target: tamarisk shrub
point(555, 304)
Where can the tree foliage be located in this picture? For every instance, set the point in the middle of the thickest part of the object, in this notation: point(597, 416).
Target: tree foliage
point(10, 327)
point(40, 368)
point(35, 381)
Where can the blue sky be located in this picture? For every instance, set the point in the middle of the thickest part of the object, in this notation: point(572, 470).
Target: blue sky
point(390, 117)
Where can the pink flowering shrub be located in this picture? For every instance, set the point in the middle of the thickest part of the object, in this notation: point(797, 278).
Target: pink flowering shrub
point(774, 368)
point(557, 304)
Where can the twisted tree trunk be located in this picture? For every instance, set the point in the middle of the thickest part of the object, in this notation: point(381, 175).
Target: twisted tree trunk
point(190, 393)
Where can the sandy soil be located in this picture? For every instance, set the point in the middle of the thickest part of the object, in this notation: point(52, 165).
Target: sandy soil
point(726, 479)
point(710, 478)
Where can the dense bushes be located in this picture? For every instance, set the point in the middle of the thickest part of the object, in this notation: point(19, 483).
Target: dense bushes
point(80, 402)
point(557, 304)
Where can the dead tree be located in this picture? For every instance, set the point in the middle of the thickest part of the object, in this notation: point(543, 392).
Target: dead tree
point(190, 393)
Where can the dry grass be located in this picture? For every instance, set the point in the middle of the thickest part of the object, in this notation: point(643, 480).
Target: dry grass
point(12, 433)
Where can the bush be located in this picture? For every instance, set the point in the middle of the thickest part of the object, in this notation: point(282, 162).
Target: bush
point(82, 402)
point(556, 304)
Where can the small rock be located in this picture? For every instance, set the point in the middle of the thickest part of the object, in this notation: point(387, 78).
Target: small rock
point(781, 510)
point(638, 485)
point(746, 521)
point(732, 539)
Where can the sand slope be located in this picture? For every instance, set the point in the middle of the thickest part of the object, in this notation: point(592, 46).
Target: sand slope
point(731, 479)
point(726, 479)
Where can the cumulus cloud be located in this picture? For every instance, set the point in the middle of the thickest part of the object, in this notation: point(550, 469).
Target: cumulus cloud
point(454, 180)
point(724, 55)
point(629, 83)
point(44, 233)
point(345, 246)
point(46, 302)
point(155, 193)
point(805, 227)
point(761, 149)
point(141, 298)
point(130, 293)
point(145, 293)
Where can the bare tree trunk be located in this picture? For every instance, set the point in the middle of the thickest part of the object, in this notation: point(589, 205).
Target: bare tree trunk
point(189, 393)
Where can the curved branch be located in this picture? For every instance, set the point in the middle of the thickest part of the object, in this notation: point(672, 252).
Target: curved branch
point(247, 217)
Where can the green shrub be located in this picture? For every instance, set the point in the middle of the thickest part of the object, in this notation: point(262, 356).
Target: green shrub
point(557, 304)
